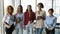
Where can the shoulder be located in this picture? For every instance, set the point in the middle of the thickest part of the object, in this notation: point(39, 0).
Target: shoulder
point(6, 15)
point(43, 11)
point(55, 17)
point(33, 12)
point(25, 12)
point(36, 11)
point(47, 17)
point(15, 14)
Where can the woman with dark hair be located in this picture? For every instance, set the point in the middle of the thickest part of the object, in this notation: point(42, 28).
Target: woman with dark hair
point(19, 20)
point(8, 20)
point(50, 22)
point(40, 17)
point(29, 17)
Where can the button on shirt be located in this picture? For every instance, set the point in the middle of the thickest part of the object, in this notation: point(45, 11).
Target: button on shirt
point(50, 22)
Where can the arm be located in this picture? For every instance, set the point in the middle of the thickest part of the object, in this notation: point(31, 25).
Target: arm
point(54, 24)
point(46, 25)
point(23, 20)
point(44, 17)
point(46, 21)
point(4, 22)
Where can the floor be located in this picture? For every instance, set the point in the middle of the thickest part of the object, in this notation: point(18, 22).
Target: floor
point(56, 32)
point(24, 31)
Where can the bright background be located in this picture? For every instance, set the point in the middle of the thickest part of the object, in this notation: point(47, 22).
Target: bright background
point(55, 4)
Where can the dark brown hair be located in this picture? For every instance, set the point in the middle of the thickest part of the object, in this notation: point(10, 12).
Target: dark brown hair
point(21, 8)
point(30, 7)
point(52, 10)
point(41, 5)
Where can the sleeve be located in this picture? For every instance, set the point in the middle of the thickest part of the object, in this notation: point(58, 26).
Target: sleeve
point(46, 25)
point(23, 19)
point(44, 17)
point(4, 19)
point(36, 15)
point(54, 24)
point(14, 17)
point(33, 17)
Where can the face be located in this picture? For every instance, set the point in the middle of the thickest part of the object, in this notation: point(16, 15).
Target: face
point(10, 10)
point(19, 9)
point(50, 12)
point(39, 6)
point(29, 8)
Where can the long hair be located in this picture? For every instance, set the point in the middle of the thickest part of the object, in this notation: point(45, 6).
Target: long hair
point(7, 12)
point(20, 8)
point(30, 7)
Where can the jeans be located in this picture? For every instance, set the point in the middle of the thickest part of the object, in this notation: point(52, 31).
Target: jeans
point(10, 30)
point(50, 31)
point(39, 30)
point(19, 30)
point(29, 29)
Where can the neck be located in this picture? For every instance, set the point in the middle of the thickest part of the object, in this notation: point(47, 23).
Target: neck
point(40, 9)
point(19, 12)
point(10, 13)
point(29, 11)
point(51, 15)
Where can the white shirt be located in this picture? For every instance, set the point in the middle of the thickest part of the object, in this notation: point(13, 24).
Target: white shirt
point(9, 19)
point(40, 22)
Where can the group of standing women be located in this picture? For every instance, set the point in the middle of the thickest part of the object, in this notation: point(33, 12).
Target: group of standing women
point(20, 21)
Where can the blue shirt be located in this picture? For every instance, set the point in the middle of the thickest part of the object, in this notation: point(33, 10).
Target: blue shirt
point(50, 22)
point(21, 16)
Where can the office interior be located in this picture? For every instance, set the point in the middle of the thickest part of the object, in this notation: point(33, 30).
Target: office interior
point(55, 4)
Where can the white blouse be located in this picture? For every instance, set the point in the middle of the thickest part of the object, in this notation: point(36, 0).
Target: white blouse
point(9, 19)
point(40, 22)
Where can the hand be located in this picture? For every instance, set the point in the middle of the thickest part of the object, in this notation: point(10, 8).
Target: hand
point(48, 28)
point(8, 27)
point(24, 27)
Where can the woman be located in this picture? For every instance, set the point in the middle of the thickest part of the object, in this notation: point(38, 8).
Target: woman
point(40, 17)
point(50, 22)
point(19, 14)
point(8, 20)
point(29, 17)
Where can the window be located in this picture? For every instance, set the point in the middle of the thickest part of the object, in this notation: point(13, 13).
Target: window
point(56, 6)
